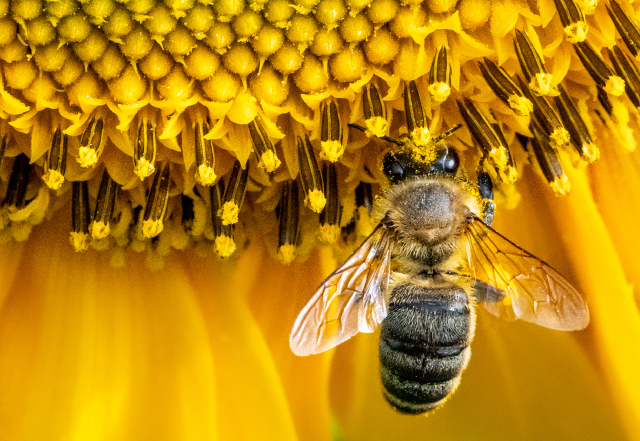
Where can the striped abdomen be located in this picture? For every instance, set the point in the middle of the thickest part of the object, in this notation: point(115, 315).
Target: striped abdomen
point(424, 342)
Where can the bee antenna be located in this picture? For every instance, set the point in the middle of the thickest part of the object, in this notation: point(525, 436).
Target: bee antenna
point(447, 133)
point(386, 138)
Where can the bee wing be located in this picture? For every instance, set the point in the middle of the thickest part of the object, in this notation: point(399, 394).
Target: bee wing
point(349, 301)
point(533, 290)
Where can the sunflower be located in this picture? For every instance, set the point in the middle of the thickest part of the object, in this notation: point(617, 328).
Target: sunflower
point(210, 162)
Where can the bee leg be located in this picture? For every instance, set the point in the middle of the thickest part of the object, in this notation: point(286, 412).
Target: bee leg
point(487, 293)
point(485, 186)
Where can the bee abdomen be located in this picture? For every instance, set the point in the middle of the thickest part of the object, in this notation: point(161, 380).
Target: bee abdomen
point(424, 344)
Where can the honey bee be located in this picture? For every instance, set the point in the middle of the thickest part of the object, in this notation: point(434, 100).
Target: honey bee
point(432, 259)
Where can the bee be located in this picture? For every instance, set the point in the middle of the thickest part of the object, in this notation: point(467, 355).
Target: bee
point(429, 263)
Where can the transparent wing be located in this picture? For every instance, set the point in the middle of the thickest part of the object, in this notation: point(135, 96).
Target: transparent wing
point(349, 301)
point(533, 290)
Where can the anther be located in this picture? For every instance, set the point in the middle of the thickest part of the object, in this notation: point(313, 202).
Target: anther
point(144, 155)
point(548, 161)
point(484, 133)
point(310, 176)
point(532, 65)
point(626, 26)
point(375, 112)
point(234, 194)
point(364, 222)
point(289, 213)
point(80, 216)
point(55, 164)
point(156, 207)
point(504, 87)
point(205, 156)
point(331, 132)
point(572, 18)
point(629, 73)
point(417, 124)
point(598, 70)
point(265, 151)
point(224, 245)
point(106, 201)
point(330, 216)
point(91, 143)
point(18, 181)
point(578, 131)
point(440, 76)
point(548, 118)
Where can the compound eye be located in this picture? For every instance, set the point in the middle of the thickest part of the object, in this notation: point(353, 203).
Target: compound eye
point(447, 161)
point(392, 168)
point(400, 166)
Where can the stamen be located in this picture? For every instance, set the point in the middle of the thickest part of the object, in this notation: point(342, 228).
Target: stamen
point(234, 194)
point(80, 216)
point(205, 155)
point(224, 245)
point(508, 173)
point(578, 131)
point(55, 164)
point(3, 145)
point(364, 222)
point(310, 176)
point(156, 206)
point(605, 101)
point(617, 120)
point(598, 70)
point(440, 76)
point(626, 26)
point(548, 161)
point(18, 181)
point(485, 188)
point(91, 143)
point(144, 155)
point(330, 216)
point(375, 112)
point(188, 214)
point(263, 147)
point(417, 124)
point(289, 211)
point(484, 134)
point(504, 87)
point(548, 119)
point(331, 132)
point(532, 65)
point(629, 72)
point(105, 203)
point(573, 20)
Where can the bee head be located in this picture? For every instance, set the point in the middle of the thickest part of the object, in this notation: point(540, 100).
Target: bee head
point(399, 166)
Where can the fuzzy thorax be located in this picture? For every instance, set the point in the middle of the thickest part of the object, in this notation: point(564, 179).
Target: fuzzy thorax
point(429, 215)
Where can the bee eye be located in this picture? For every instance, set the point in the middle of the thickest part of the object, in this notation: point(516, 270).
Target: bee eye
point(399, 166)
point(447, 161)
